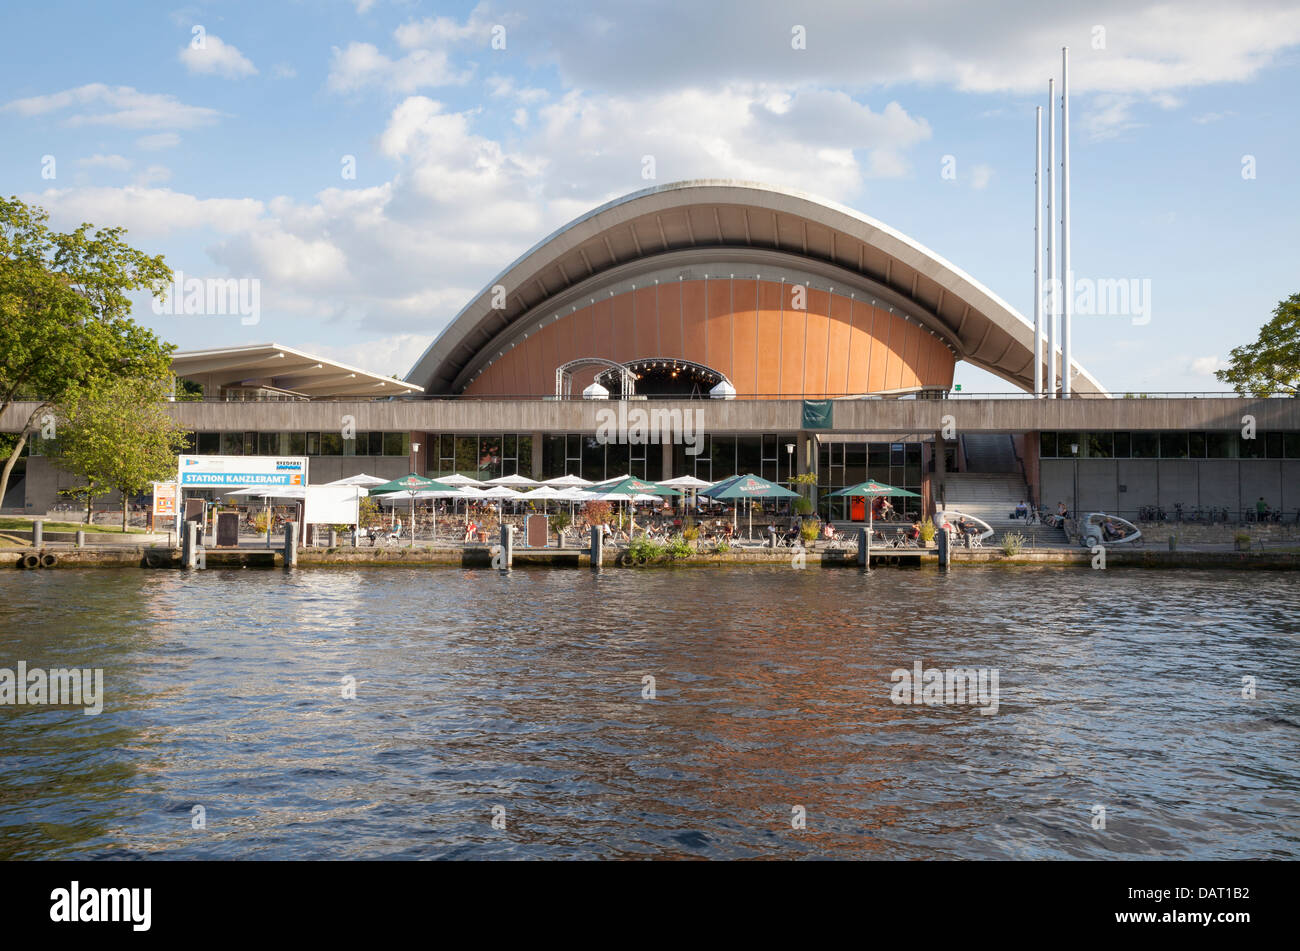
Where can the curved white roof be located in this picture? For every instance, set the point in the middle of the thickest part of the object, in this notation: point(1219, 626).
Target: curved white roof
point(696, 221)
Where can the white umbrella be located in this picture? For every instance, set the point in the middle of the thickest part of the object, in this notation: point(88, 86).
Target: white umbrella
point(272, 492)
point(510, 480)
point(459, 480)
point(546, 494)
point(499, 492)
point(360, 479)
point(685, 482)
point(567, 482)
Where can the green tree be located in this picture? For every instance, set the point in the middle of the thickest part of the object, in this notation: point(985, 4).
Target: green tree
point(118, 435)
point(65, 321)
point(1272, 363)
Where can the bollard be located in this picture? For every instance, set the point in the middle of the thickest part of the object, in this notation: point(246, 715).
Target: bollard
point(189, 545)
point(290, 544)
point(81, 538)
point(507, 546)
point(38, 533)
point(864, 547)
point(597, 546)
point(334, 538)
point(1173, 542)
point(771, 537)
point(945, 550)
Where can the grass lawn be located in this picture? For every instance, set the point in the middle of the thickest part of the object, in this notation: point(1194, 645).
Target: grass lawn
point(24, 523)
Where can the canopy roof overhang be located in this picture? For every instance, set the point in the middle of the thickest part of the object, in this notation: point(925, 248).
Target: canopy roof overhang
point(275, 367)
point(707, 220)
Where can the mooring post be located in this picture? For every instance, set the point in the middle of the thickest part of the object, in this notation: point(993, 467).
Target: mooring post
point(864, 547)
point(597, 546)
point(189, 546)
point(290, 544)
point(334, 538)
point(81, 538)
point(507, 545)
point(38, 533)
point(945, 550)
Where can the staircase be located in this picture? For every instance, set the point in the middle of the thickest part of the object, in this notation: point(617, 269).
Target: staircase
point(991, 487)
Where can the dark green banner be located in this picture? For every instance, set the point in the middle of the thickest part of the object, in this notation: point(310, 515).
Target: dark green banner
point(817, 414)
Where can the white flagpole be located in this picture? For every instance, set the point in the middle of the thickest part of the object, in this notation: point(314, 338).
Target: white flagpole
point(1065, 222)
point(1051, 227)
point(1038, 251)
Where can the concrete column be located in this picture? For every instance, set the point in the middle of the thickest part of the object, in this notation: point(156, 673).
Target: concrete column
point(940, 470)
point(290, 544)
point(38, 533)
point(81, 538)
point(597, 546)
point(538, 442)
point(190, 545)
point(666, 453)
point(334, 538)
point(507, 545)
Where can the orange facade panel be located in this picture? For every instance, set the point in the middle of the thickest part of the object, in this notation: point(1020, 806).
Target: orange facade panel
point(750, 331)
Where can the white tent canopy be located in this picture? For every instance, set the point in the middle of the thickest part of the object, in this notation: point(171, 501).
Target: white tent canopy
point(361, 479)
point(516, 480)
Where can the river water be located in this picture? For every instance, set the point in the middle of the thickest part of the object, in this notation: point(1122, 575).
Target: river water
point(522, 697)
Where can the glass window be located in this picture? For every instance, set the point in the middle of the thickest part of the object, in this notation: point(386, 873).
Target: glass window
point(1290, 445)
point(268, 444)
point(313, 444)
point(553, 449)
point(1047, 445)
point(1250, 448)
point(1146, 445)
point(1065, 443)
point(297, 444)
point(749, 454)
point(593, 459)
point(209, 444)
point(359, 446)
point(447, 446)
point(397, 444)
point(489, 457)
point(525, 450)
point(1099, 445)
point(1273, 445)
point(1122, 445)
point(618, 458)
point(722, 450)
point(331, 443)
point(1221, 445)
point(896, 454)
point(1173, 445)
point(510, 446)
point(232, 444)
point(1196, 445)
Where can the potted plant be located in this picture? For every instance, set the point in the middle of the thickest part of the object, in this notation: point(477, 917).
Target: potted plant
point(927, 532)
point(1242, 540)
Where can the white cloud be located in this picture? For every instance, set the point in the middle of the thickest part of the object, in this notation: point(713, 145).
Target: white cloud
point(980, 176)
point(153, 212)
point(117, 163)
point(284, 71)
point(217, 58)
point(153, 175)
point(1205, 366)
point(157, 141)
point(395, 354)
point(1208, 117)
point(361, 64)
point(120, 106)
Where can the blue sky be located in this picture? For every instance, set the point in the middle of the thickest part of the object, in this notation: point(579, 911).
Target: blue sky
point(228, 159)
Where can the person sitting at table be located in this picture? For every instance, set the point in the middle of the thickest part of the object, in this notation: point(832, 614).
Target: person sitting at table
point(914, 533)
point(828, 532)
point(471, 529)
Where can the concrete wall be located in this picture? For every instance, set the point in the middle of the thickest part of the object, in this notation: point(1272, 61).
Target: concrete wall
point(733, 416)
point(1234, 484)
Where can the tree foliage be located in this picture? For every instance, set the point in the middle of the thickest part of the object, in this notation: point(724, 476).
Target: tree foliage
point(65, 313)
point(118, 435)
point(1271, 364)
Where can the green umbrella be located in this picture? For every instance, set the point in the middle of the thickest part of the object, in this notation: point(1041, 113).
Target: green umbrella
point(630, 487)
point(873, 488)
point(748, 487)
point(412, 484)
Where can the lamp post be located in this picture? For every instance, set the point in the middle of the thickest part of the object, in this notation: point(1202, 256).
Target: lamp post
point(1074, 506)
point(415, 448)
point(789, 465)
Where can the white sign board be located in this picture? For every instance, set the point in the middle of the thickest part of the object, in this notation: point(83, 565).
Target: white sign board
point(332, 504)
point(202, 472)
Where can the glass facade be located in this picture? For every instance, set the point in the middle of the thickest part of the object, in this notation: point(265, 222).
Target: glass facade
point(1180, 444)
point(843, 464)
point(329, 443)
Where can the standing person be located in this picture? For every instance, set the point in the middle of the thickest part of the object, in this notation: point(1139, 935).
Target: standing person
point(1261, 509)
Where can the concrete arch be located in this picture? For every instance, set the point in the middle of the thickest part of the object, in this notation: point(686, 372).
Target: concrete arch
point(709, 229)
